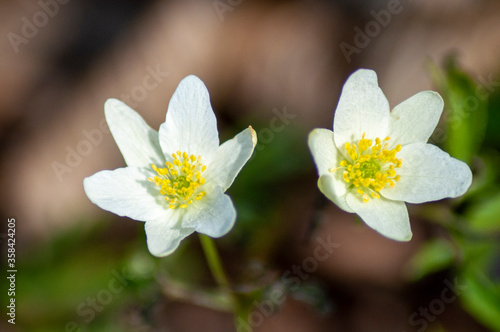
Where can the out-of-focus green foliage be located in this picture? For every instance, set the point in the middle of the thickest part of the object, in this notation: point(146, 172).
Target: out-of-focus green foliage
point(484, 217)
point(435, 255)
point(258, 189)
point(482, 297)
point(481, 274)
point(492, 138)
point(466, 111)
point(472, 250)
point(486, 176)
point(77, 283)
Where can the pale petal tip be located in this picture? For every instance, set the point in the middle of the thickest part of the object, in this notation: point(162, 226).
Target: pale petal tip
point(437, 95)
point(254, 135)
point(193, 80)
point(438, 99)
point(368, 73)
point(86, 185)
point(467, 182)
point(159, 243)
point(189, 86)
point(310, 138)
point(112, 102)
point(161, 253)
point(191, 77)
point(315, 132)
point(396, 236)
point(114, 106)
point(406, 238)
point(89, 188)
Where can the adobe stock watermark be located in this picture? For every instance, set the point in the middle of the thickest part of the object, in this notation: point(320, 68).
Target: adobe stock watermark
point(94, 137)
point(150, 81)
point(436, 307)
point(223, 6)
point(277, 124)
point(372, 29)
point(75, 155)
point(92, 305)
point(468, 105)
point(30, 27)
point(291, 279)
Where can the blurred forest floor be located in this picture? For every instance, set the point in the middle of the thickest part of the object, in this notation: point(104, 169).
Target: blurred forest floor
point(260, 60)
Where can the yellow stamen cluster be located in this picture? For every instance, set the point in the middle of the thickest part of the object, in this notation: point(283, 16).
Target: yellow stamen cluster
point(180, 181)
point(372, 167)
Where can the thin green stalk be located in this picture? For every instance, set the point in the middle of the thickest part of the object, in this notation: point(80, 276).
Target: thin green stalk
point(215, 265)
point(214, 261)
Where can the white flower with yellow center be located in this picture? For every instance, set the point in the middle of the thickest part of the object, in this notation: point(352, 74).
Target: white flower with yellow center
point(376, 159)
point(175, 179)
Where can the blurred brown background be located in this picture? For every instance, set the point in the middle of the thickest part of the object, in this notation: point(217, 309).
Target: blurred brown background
point(58, 68)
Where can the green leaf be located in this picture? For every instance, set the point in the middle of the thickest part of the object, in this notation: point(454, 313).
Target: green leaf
point(482, 298)
point(485, 175)
point(492, 138)
point(479, 271)
point(433, 256)
point(466, 112)
point(484, 217)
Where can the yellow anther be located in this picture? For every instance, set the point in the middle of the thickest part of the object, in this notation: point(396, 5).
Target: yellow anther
point(345, 176)
point(371, 167)
point(365, 198)
point(180, 180)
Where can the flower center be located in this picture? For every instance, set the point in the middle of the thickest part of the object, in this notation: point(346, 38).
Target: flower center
point(180, 181)
point(371, 167)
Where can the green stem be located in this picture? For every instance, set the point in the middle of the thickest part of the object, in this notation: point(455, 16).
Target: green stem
point(215, 265)
point(214, 261)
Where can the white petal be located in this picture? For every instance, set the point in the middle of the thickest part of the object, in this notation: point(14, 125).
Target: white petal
point(164, 236)
point(323, 149)
point(389, 218)
point(415, 119)
point(335, 189)
point(230, 159)
point(137, 141)
point(362, 108)
point(126, 192)
point(213, 215)
point(190, 124)
point(326, 157)
point(428, 174)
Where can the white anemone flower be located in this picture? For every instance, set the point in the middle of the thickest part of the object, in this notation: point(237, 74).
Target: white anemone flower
point(175, 179)
point(376, 159)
